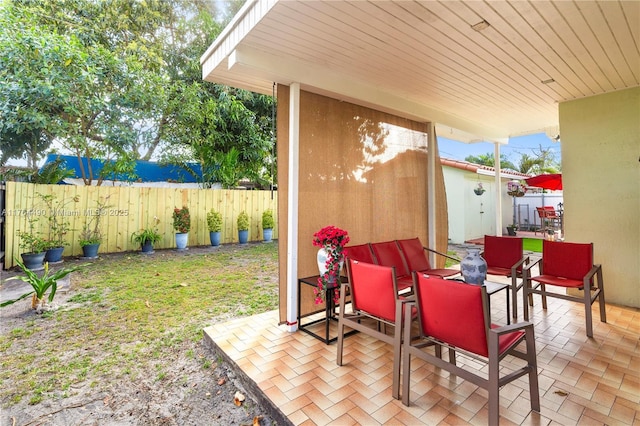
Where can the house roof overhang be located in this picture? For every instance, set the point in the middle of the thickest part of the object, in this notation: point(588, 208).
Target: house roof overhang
point(431, 61)
point(481, 169)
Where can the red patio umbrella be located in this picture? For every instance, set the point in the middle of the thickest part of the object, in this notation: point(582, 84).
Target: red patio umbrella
point(551, 181)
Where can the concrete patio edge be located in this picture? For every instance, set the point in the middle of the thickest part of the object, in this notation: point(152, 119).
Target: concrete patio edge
point(270, 408)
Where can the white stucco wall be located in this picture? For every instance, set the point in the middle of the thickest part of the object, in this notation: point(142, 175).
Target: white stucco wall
point(601, 181)
point(473, 216)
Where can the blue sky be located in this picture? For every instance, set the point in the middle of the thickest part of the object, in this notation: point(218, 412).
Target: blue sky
point(458, 151)
point(513, 150)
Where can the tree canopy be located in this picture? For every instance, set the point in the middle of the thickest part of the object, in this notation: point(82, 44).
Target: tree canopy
point(540, 161)
point(120, 81)
point(489, 160)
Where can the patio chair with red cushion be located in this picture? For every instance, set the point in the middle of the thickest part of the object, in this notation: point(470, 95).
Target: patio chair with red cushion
point(374, 300)
point(361, 252)
point(388, 254)
point(456, 315)
point(417, 260)
point(549, 219)
point(505, 257)
point(567, 265)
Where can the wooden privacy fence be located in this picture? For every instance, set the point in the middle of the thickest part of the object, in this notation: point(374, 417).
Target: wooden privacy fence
point(129, 210)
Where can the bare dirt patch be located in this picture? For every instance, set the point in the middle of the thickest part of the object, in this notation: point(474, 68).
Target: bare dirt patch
point(177, 383)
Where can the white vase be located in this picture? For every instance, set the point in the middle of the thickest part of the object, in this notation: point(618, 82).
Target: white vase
point(322, 263)
point(473, 267)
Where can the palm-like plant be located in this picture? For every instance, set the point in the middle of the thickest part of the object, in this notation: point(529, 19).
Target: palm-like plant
point(40, 285)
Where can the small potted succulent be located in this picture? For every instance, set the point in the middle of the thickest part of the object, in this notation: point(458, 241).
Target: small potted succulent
point(243, 227)
point(214, 223)
point(147, 237)
point(267, 225)
point(182, 226)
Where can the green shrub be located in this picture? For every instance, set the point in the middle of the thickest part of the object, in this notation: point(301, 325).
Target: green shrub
point(214, 221)
point(267, 219)
point(243, 221)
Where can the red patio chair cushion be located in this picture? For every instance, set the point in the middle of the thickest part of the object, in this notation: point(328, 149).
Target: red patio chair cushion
point(501, 253)
point(360, 252)
point(550, 212)
point(565, 264)
point(388, 254)
point(417, 260)
point(372, 289)
point(453, 312)
point(414, 254)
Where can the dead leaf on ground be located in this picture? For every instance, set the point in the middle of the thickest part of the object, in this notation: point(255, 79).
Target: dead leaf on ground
point(561, 393)
point(106, 400)
point(238, 398)
point(148, 305)
point(184, 284)
point(222, 381)
point(256, 420)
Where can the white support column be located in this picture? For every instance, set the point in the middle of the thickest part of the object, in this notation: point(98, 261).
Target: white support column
point(292, 210)
point(496, 155)
point(432, 149)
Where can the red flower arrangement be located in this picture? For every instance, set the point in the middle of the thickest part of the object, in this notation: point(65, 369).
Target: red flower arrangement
point(181, 220)
point(333, 240)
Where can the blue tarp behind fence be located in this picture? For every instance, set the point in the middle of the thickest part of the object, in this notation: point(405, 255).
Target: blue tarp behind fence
point(145, 171)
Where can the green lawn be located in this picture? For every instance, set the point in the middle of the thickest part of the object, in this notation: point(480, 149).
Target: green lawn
point(532, 244)
point(129, 315)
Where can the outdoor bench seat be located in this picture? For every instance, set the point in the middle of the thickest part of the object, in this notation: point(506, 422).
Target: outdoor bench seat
point(405, 256)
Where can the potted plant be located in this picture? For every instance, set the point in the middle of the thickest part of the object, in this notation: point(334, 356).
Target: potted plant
point(33, 246)
point(479, 190)
point(330, 259)
point(147, 237)
point(214, 223)
point(182, 226)
point(59, 226)
point(40, 285)
point(516, 189)
point(267, 225)
point(511, 229)
point(243, 227)
point(91, 235)
point(90, 240)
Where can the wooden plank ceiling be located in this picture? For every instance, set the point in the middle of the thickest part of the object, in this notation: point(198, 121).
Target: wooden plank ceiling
point(423, 59)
